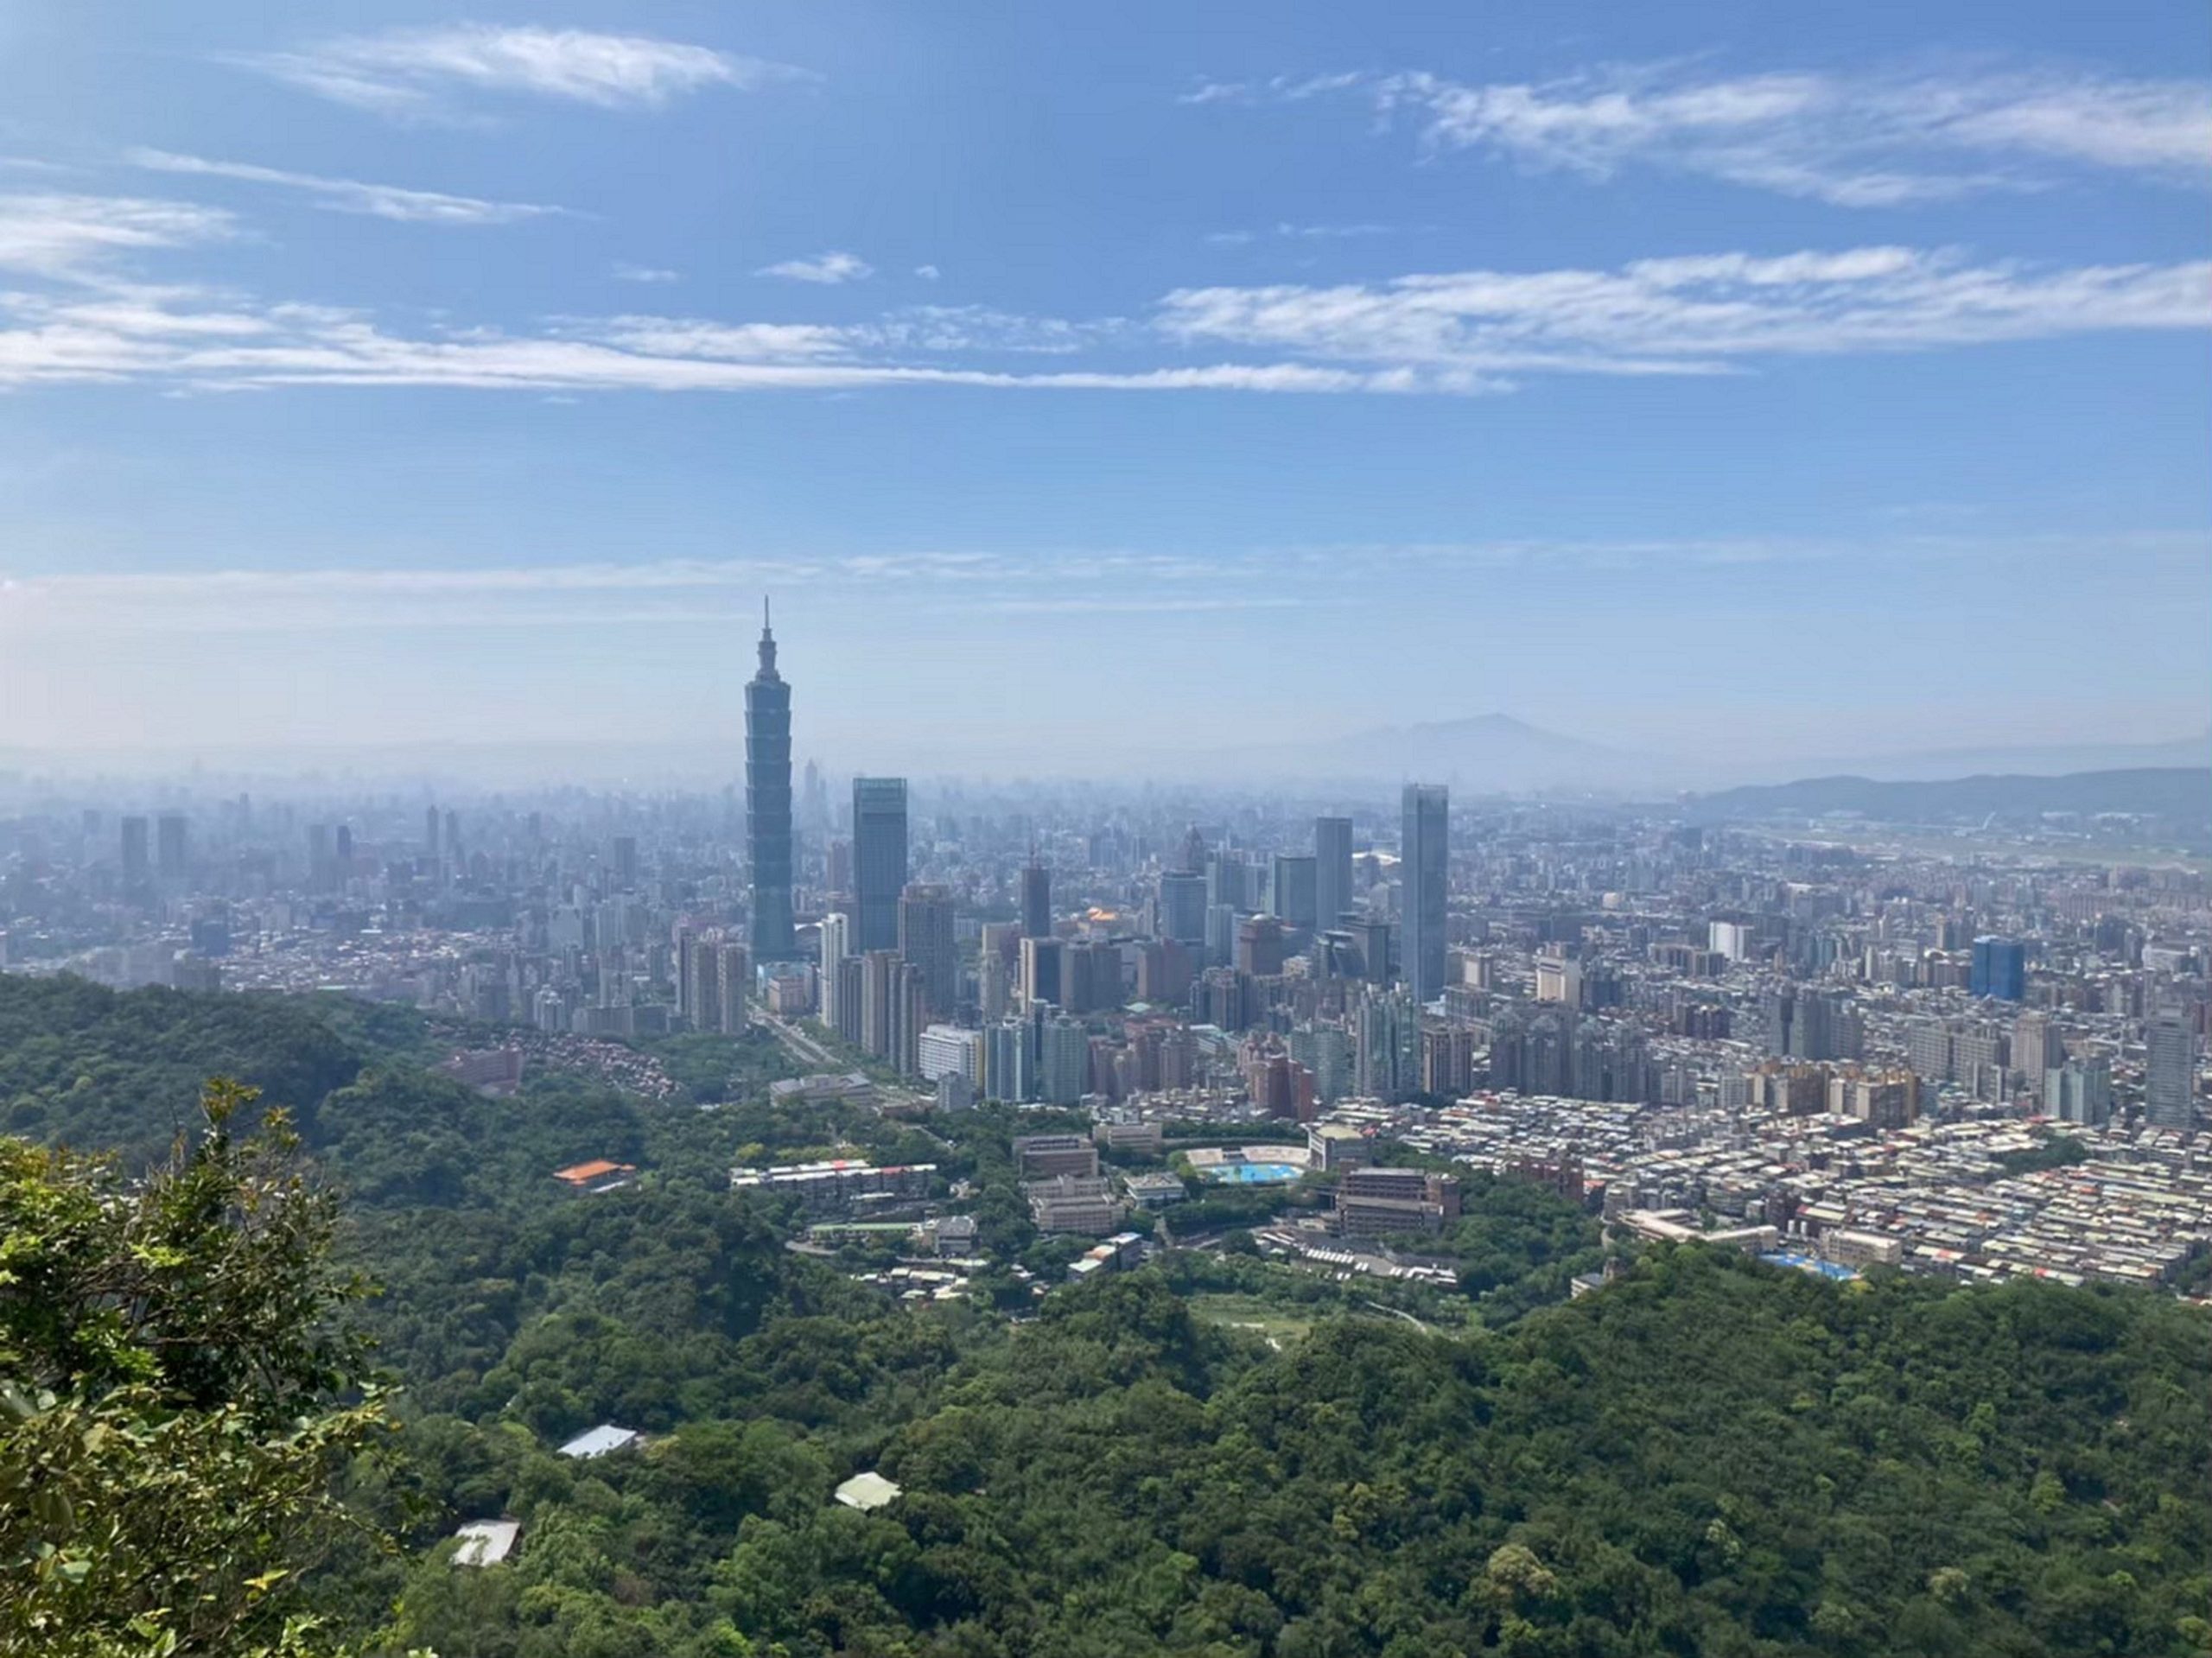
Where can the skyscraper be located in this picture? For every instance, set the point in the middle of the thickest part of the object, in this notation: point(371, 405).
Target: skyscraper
point(1331, 871)
point(1292, 890)
point(768, 800)
point(1183, 907)
point(2000, 968)
point(1036, 898)
point(136, 861)
point(2169, 1072)
point(169, 846)
point(1424, 862)
point(1040, 970)
point(836, 934)
point(879, 861)
point(925, 941)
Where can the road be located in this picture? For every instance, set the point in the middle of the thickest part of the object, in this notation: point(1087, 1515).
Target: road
point(797, 1043)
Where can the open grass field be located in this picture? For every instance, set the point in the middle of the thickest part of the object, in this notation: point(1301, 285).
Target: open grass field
point(1250, 1312)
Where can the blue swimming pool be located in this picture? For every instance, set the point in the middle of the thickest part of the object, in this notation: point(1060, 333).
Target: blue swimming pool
point(1253, 1174)
point(1810, 1264)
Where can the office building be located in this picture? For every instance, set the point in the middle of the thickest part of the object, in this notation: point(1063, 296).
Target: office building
point(1036, 898)
point(1040, 970)
point(1220, 948)
point(1260, 949)
point(1009, 1061)
point(137, 862)
point(1374, 1203)
point(1064, 1061)
point(948, 1051)
point(767, 801)
point(1424, 869)
point(926, 939)
point(1183, 908)
point(169, 846)
point(2000, 968)
point(1041, 1157)
point(879, 861)
point(1331, 871)
point(1292, 890)
point(1090, 977)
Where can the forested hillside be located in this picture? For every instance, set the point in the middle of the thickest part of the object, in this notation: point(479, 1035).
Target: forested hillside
point(1707, 1456)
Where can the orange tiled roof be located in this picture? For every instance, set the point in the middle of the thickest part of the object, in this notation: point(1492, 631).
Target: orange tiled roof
point(580, 1172)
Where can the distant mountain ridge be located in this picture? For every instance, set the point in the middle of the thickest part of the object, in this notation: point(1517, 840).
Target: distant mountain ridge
point(1485, 752)
point(2181, 793)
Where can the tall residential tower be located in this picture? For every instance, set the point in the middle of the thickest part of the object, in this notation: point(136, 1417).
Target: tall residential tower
point(768, 801)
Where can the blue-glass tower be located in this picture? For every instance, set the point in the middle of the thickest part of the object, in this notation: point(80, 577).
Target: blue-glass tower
point(2000, 968)
point(768, 801)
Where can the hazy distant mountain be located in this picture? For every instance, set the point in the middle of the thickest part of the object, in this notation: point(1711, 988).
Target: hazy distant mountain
point(1497, 753)
point(1489, 752)
point(2050, 759)
point(2182, 794)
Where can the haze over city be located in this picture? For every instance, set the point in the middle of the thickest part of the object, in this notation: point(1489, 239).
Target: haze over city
point(1733, 389)
point(1260, 830)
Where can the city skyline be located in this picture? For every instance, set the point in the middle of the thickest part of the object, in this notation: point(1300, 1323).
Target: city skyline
point(1593, 364)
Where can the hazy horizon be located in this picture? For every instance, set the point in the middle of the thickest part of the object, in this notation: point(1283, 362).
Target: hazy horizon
point(1092, 400)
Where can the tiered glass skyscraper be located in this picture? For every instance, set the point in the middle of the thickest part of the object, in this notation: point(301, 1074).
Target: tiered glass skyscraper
point(768, 801)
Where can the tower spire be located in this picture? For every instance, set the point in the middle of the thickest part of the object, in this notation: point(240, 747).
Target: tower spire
point(767, 642)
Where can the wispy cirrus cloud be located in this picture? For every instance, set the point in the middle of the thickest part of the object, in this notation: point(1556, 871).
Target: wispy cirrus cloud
point(420, 73)
point(58, 235)
point(1695, 314)
point(1879, 138)
point(351, 195)
point(624, 272)
point(1453, 333)
point(826, 269)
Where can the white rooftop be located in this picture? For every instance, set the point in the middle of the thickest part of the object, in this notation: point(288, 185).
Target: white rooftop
point(597, 1442)
point(868, 1491)
point(486, 1542)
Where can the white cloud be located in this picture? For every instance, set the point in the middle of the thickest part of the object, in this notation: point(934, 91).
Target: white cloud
point(84, 318)
point(350, 195)
point(981, 329)
point(827, 269)
point(413, 71)
point(53, 235)
point(927, 273)
point(1691, 315)
point(624, 272)
point(1874, 139)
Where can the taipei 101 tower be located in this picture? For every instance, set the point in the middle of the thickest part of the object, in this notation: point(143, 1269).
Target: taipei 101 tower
point(768, 801)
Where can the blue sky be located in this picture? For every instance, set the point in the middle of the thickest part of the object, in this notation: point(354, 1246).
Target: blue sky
point(1727, 379)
